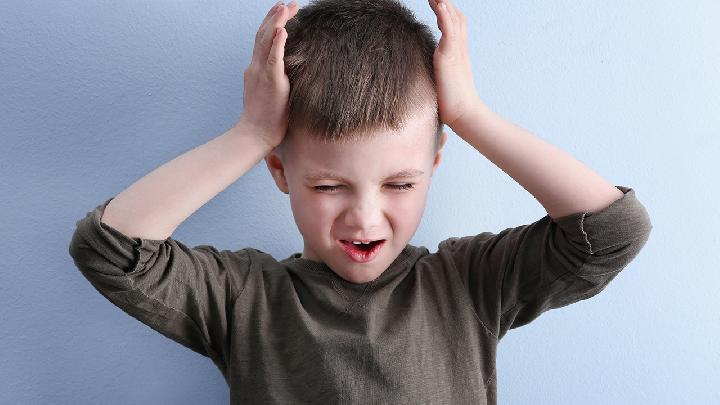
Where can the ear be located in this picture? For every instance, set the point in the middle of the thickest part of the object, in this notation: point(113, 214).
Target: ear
point(438, 154)
point(277, 170)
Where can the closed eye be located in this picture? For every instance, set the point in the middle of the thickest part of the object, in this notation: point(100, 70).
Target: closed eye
point(326, 188)
point(404, 186)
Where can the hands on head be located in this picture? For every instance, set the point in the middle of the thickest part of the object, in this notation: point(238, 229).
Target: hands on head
point(451, 63)
point(267, 87)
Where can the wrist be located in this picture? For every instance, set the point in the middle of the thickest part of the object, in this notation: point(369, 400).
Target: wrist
point(250, 129)
point(463, 121)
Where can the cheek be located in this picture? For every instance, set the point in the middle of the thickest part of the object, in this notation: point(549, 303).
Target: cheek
point(409, 210)
point(413, 200)
point(314, 210)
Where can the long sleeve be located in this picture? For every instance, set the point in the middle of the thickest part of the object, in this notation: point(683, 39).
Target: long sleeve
point(184, 293)
point(514, 276)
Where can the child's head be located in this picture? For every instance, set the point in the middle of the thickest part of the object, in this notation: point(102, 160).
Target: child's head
point(362, 106)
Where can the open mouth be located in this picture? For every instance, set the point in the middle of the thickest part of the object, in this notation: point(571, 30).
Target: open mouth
point(361, 246)
point(361, 252)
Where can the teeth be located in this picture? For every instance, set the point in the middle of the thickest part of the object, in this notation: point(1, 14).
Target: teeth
point(361, 243)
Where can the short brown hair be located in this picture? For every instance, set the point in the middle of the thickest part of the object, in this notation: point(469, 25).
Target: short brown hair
point(356, 66)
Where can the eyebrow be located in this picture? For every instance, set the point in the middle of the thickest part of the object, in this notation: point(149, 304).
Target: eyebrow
point(329, 175)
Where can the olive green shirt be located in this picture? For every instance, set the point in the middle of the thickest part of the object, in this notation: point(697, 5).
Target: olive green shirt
point(424, 332)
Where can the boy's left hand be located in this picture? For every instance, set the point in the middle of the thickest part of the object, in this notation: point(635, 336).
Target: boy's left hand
point(451, 63)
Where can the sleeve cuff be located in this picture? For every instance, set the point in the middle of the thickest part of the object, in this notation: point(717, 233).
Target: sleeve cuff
point(127, 254)
point(623, 221)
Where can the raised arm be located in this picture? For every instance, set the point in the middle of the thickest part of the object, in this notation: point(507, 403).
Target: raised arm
point(154, 206)
point(592, 231)
point(561, 183)
point(187, 293)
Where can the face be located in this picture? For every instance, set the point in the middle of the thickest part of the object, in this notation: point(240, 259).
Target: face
point(374, 189)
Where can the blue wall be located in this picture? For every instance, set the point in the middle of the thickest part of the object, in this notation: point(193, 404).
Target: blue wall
point(96, 94)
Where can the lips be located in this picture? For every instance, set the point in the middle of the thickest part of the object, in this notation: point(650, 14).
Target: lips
point(361, 253)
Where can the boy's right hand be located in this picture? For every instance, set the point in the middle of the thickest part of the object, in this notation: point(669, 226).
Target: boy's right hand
point(266, 86)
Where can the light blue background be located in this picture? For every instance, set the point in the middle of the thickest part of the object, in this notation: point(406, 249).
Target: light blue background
point(96, 94)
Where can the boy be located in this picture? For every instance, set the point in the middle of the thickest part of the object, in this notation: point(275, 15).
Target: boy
point(361, 316)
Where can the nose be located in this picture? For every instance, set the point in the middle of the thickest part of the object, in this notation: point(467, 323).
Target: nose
point(365, 214)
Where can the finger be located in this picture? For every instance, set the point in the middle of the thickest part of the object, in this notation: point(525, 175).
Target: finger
point(445, 24)
point(267, 29)
point(293, 9)
point(434, 6)
point(263, 28)
point(458, 18)
point(277, 52)
point(460, 21)
point(264, 23)
point(266, 37)
point(453, 14)
point(279, 19)
point(292, 6)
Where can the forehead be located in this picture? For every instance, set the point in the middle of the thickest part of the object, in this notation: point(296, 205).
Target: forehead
point(402, 153)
